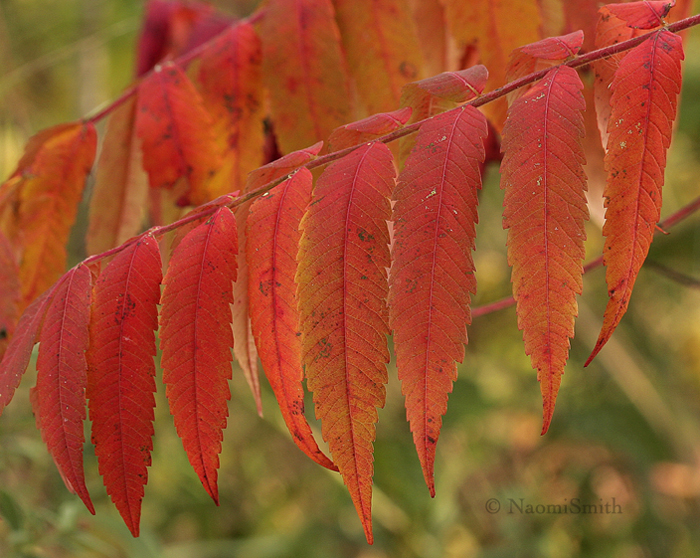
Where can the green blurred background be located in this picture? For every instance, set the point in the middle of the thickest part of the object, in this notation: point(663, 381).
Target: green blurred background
point(626, 431)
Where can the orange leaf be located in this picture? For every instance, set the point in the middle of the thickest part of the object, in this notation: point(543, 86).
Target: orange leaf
point(496, 28)
point(230, 74)
point(196, 340)
point(271, 244)
point(431, 28)
point(119, 197)
point(177, 135)
point(644, 99)
point(545, 210)
point(342, 290)
point(304, 71)
point(433, 273)
point(382, 48)
point(48, 186)
point(121, 373)
point(58, 399)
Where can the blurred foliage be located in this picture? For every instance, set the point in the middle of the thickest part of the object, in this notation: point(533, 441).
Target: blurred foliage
point(626, 432)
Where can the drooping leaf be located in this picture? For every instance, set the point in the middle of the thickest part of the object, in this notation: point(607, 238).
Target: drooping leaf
point(644, 99)
point(544, 212)
point(642, 15)
point(432, 274)
point(10, 292)
point(121, 373)
point(19, 351)
point(495, 28)
point(382, 48)
point(59, 396)
point(196, 340)
point(230, 74)
point(47, 187)
point(272, 238)
point(610, 30)
point(118, 201)
point(304, 70)
point(177, 135)
point(279, 167)
point(342, 290)
point(368, 129)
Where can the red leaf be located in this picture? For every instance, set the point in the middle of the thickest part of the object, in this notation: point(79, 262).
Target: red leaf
point(48, 186)
point(438, 93)
point(304, 70)
point(59, 395)
point(342, 289)
point(271, 244)
point(10, 293)
point(196, 340)
point(230, 73)
point(610, 30)
point(544, 210)
point(542, 54)
point(642, 15)
point(433, 273)
point(382, 48)
point(644, 99)
point(176, 129)
point(368, 129)
point(121, 373)
point(19, 351)
point(280, 167)
point(121, 186)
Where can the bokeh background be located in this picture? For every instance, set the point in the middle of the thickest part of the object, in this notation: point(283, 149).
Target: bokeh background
point(626, 432)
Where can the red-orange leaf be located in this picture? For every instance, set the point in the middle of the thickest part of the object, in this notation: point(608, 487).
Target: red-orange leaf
point(368, 129)
point(304, 70)
point(121, 373)
point(9, 292)
point(118, 201)
point(280, 167)
point(19, 351)
point(177, 134)
point(59, 395)
point(642, 15)
point(49, 183)
point(383, 52)
point(271, 244)
point(495, 28)
point(544, 210)
point(230, 73)
point(539, 55)
point(433, 273)
point(610, 30)
point(196, 340)
point(644, 98)
point(244, 343)
point(342, 293)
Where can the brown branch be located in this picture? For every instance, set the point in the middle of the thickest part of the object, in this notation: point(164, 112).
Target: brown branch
point(673, 219)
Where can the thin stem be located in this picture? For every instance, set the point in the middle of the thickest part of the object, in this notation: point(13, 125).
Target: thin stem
point(673, 219)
